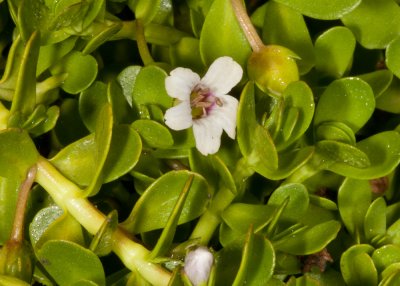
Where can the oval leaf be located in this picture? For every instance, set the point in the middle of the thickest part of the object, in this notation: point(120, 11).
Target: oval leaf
point(156, 204)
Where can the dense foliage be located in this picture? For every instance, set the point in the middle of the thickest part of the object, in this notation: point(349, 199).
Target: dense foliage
point(96, 189)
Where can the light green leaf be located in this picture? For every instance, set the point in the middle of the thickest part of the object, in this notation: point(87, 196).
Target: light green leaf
point(309, 240)
point(341, 99)
point(323, 9)
point(56, 254)
point(286, 27)
point(215, 42)
point(354, 193)
point(357, 266)
point(81, 70)
point(370, 21)
point(334, 51)
point(157, 203)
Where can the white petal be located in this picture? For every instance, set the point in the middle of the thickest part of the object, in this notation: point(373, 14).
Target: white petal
point(198, 265)
point(179, 117)
point(181, 82)
point(207, 135)
point(223, 74)
point(225, 115)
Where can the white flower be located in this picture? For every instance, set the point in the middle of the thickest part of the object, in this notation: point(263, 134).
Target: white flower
point(204, 103)
point(198, 265)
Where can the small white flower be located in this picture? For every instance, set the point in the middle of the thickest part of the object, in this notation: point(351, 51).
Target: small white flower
point(204, 103)
point(198, 265)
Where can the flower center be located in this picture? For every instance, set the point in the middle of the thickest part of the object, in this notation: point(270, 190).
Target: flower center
point(202, 101)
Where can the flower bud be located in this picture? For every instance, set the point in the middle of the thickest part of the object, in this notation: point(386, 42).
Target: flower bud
point(198, 265)
point(16, 260)
point(273, 68)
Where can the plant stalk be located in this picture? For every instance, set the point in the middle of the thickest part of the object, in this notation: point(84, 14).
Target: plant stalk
point(247, 26)
point(69, 196)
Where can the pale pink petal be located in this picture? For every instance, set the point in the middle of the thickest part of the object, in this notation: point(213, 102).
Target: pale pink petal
point(223, 74)
point(181, 82)
point(207, 135)
point(179, 117)
point(225, 115)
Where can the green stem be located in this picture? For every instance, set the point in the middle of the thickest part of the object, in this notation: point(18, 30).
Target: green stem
point(69, 196)
point(154, 33)
point(144, 52)
point(210, 220)
point(247, 26)
point(48, 84)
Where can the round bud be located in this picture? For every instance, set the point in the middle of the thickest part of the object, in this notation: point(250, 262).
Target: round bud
point(273, 68)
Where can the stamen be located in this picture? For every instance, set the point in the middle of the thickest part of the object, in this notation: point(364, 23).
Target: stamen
point(201, 101)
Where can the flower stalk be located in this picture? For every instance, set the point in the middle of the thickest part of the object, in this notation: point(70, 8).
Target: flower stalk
point(69, 196)
point(247, 27)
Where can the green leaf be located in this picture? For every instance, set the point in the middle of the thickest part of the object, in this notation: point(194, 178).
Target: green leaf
point(258, 261)
point(340, 100)
point(379, 81)
point(309, 240)
point(354, 192)
point(158, 11)
point(81, 70)
point(9, 194)
point(17, 154)
point(299, 104)
point(254, 140)
point(240, 216)
point(357, 266)
point(56, 254)
point(103, 241)
point(286, 27)
point(91, 102)
point(257, 257)
point(375, 219)
point(51, 54)
point(393, 56)
point(214, 170)
point(165, 241)
point(335, 131)
point(385, 256)
point(334, 51)
point(389, 100)
point(186, 53)
point(383, 151)
point(215, 42)
point(153, 133)
point(50, 227)
point(323, 9)
point(298, 200)
point(76, 161)
point(342, 154)
point(369, 23)
point(24, 99)
point(157, 203)
point(149, 88)
point(127, 78)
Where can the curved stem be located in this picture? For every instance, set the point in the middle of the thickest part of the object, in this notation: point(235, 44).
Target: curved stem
point(69, 196)
point(246, 25)
point(17, 233)
point(142, 44)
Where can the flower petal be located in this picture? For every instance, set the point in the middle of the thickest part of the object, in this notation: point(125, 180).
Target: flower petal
point(181, 82)
point(225, 115)
point(207, 135)
point(223, 74)
point(179, 117)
